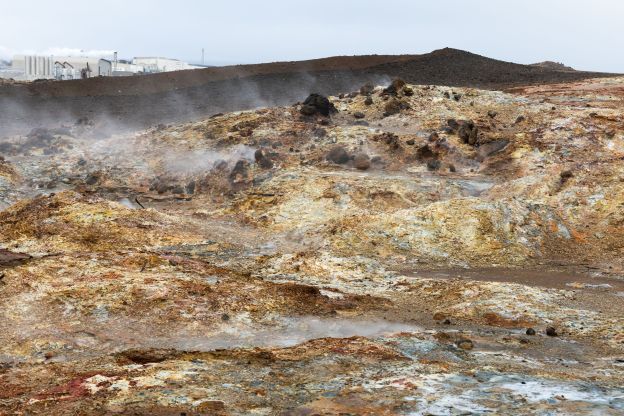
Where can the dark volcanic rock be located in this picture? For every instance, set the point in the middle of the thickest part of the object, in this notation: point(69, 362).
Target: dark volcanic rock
point(361, 161)
point(367, 89)
point(240, 171)
point(491, 148)
point(316, 103)
point(551, 331)
point(468, 132)
point(338, 155)
point(433, 165)
point(262, 160)
point(394, 87)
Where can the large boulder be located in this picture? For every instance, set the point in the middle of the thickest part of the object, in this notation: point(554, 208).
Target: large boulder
point(317, 104)
point(394, 87)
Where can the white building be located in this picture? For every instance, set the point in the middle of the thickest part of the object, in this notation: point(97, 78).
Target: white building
point(34, 67)
point(157, 64)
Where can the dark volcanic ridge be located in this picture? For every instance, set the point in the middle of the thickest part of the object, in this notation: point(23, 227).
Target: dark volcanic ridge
point(137, 102)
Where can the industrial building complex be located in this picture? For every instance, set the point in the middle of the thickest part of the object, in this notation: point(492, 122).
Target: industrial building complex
point(34, 67)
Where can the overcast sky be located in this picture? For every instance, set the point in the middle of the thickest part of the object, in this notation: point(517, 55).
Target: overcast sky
point(584, 34)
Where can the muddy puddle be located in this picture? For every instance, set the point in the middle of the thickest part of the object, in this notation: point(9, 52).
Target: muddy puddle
point(553, 279)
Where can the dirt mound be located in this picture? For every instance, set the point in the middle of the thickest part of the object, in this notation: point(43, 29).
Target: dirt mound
point(556, 66)
point(136, 102)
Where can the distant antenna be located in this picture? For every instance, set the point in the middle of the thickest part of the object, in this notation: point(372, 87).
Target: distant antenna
point(202, 56)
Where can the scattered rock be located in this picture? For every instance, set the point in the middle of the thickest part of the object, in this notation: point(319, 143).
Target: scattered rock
point(359, 115)
point(407, 91)
point(262, 160)
point(338, 155)
point(457, 96)
point(240, 171)
point(468, 132)
point(361, 161)
point(425, 152)
point(394, 87)
point(394, 106)
point(520, 119)
point(433, 165)
point(317, 104)
point(391, 139)
point(319, 132)
point(464, 344)
point(367, 89)
point(92, 178)
point(453, 124)
point(565, 175)
point(190, 187)
point(491, 148)
point(492, 114)
point(410, 142)
point(551, 331)
point(178, 190)
point(368, 100)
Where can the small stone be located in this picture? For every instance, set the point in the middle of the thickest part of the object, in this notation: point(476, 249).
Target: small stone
point(433, 165)
point(367, 89)
point(464, 344)
point(359, 114)
point(338, 155)
point(530, 331)
point(395, 87)
point(551, 331)
point(410, 142)
point(392, 107)
point(368, 100)
point(446, 321)
point(492, 114)
point(565, 175)
point(178, 190)
point(92, 179)
point(520, 119)
point(361, 161)
point(225, 317)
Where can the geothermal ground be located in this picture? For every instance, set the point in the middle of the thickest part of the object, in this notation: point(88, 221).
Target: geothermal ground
point(401, 250)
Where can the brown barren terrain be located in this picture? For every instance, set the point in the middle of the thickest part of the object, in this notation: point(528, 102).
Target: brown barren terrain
point(141, 101)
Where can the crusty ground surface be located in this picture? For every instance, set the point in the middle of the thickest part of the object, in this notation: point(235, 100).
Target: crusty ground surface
point(172, 271)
